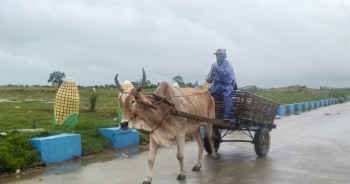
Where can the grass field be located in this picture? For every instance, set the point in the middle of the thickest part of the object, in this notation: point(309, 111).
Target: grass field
point(34, 105)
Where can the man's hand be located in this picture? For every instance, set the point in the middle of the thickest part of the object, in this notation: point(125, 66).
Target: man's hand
point(208, 79)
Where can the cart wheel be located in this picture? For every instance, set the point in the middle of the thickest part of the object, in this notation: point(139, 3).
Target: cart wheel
point(262, 142)
point(217, 141)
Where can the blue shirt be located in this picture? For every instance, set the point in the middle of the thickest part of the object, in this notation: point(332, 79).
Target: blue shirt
point(222, 78)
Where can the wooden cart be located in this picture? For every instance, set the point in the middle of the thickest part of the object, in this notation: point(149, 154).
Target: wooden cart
point(250, 113)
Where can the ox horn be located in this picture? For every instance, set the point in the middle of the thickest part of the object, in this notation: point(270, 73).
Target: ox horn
point(143, 81)
point(120, 88)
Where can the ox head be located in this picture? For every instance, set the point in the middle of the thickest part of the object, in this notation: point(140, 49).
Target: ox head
point(133, 104)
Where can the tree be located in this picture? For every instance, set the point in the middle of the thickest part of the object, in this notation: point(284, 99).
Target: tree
point(135, 84)
point(189, 85)
point(148, 84)
point(56, 78)
point(179, 80)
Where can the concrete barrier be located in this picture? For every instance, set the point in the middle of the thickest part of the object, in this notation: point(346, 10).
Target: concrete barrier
point(311, 105)
point(325, 103)
point(281, 110)
point(316, 104)
point(121, 138)
point(305, 106)
point(321, 102)
point(298, 108)
point(202, 131)
point(336, 100)
point(290, 109)
point(58, 148)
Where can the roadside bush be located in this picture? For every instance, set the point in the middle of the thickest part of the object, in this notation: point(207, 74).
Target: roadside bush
point(16, 152)
point(93, 100)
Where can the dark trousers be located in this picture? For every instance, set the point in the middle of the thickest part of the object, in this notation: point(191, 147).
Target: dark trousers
point(223, 92)
point(227, 106)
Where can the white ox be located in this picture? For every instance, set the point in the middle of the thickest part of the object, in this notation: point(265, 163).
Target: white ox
point(147, 113)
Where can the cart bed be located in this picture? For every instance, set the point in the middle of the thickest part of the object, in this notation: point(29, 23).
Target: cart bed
point(249, 109)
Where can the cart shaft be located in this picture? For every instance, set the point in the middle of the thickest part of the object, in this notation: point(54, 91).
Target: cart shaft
point(201, 118)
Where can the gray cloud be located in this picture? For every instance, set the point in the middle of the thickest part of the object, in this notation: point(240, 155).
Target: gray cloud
point(270, 43)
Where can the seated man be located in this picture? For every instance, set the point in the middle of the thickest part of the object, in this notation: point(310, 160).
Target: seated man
point(223, 77)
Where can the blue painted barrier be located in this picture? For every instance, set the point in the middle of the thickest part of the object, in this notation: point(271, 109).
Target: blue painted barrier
point(121, 138)
point(325, 103)
point(336, 100)
point(321, 102)
point(306, 106)
point(281, 110)
point(298, 108)
point(202, 130)
point(316, 104)
point(311, 105)
point(58, 148)
point(290, 108)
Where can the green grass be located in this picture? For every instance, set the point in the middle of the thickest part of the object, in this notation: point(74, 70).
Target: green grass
point(16, 152)
point(23, 114)
point(300, 94)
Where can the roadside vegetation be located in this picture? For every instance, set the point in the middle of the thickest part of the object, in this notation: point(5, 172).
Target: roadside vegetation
point(26, 107)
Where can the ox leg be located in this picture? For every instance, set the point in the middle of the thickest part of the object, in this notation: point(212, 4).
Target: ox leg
point(199, 139)
point(153, 149)
point(209, 132)
point(180, 156)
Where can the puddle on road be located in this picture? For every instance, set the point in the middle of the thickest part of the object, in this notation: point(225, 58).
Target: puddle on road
point(73, 166)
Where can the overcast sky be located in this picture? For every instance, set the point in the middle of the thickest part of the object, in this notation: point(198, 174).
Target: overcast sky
point(270, 43)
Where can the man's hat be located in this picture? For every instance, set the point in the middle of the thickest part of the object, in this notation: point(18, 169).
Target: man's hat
point(220, 51)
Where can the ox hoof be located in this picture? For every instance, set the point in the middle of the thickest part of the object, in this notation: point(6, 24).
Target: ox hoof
point(196, 168)
point(146, 182)
point(216, 157)
point(181, 177)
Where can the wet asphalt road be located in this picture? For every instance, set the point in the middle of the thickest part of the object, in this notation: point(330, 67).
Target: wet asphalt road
point(307, 148)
